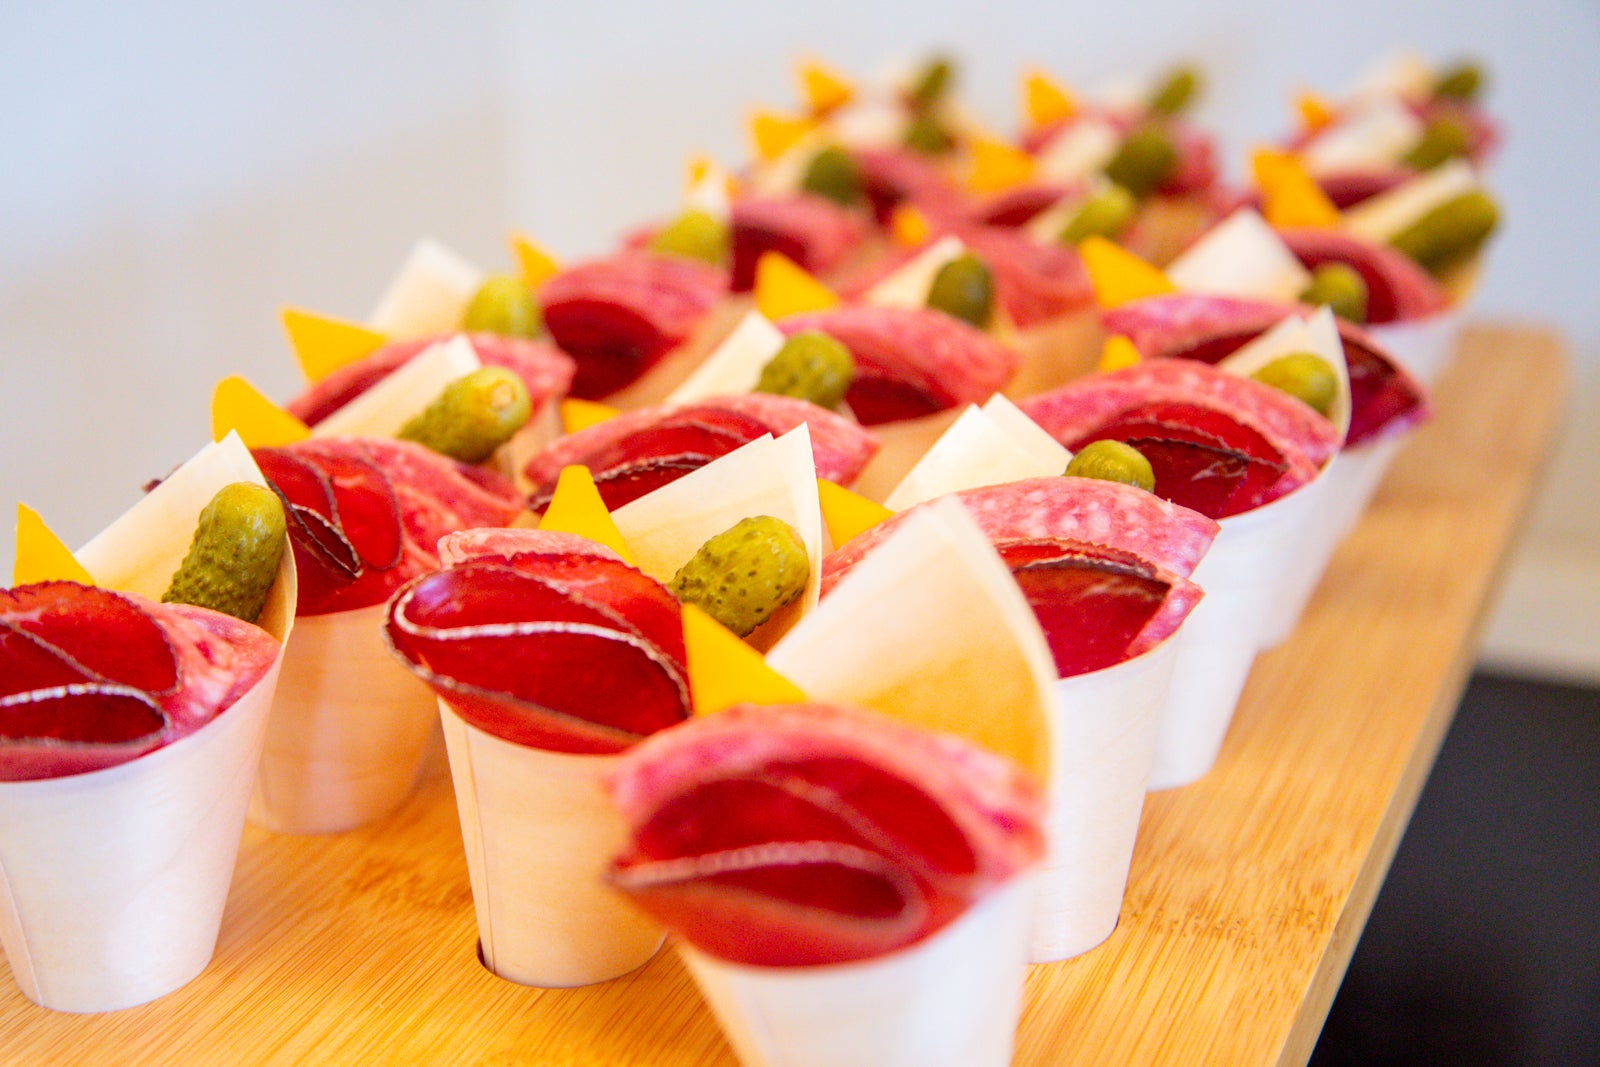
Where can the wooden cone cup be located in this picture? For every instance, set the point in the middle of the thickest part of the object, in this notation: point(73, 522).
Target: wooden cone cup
point(901, 444)
point(950, 1001)
point(539, 835)
point(349, 730)
point(1241, 574)
point(1056, 352)
point(1103, 745)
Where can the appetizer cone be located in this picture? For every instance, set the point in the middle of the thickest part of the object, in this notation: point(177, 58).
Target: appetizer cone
point(113, 881)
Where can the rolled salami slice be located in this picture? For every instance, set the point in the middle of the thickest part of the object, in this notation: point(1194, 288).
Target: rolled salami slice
point(911, 362)
point(366, 515)
point(894, 176)
point(617, 316)
point(1104, 565)
point(811, 231)
point(1384, 399)
point(638, 451)
point(90, 678)
point(1398, 289)
point(562, 651)
point(796, 835)
point(543, 368)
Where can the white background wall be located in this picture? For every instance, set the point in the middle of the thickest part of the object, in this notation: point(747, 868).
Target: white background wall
point(174, 175)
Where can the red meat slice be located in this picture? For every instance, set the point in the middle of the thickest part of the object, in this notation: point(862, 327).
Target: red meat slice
point(812, 231)
point(1397, 288)
point(805, 834)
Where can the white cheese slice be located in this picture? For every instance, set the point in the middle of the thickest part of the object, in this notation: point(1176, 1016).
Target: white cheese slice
point(710, 194)
point(991, 445)
point(665, 528)
point(1381, 217)
point(382, 410)
point(931, 629)
point(1406, 74)
point(868, 124)
point(1241, 256)
point(1377, 134)
point(783, 175)
point(140, 551)
point(1081, 150)
point(734, 367)
point(908, 286)
point(429, 294)
point(1317, 333)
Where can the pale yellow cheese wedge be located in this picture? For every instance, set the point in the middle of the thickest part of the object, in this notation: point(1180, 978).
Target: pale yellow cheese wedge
point(535, 264)
point(239, 407)
point(931, 629)
point(994, 166)
point(724, 670)
point(823, 88)
point(581, 414)
point(1291, 198)
point(41, 556)
point(1117, 352)
point(846, 514)
point(576, 508)
point(1045, 101)
point(773, 133)
point(1120, 277)
point(783, 288)
point(323, 344)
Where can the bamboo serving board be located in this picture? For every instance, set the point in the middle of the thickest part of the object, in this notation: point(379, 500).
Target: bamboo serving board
point(1248, 891)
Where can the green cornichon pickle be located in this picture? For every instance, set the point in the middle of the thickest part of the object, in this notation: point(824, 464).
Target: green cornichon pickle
point(1450, 233)
point(1443, 139)
point(931, 83)
point(233, 559)
point(693, 235)
point(1460, 82)
point(502, 305)
point(833, 173)
point(964, 288)
point(1113, 461)
point(1305, 375)
point(811, 366)
point(1175, 92)
point(1144, 160)
point(473, 416)
point(1106, 213)
point(1342, 288)
point(745, 573)
point(927, 135)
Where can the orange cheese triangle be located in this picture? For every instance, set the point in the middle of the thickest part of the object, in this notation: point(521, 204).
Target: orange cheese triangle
point(576, 508)
point(581, 414)
point(535, 265)
point(323, 345)
point(995, 166)
point(724, 671)
point(774, 134)
point(846, 513)
point(1290, 197)
point(41, 555)
point(1045, 102)
point(238, 405)
point(1315, 112)
point(909, 226)
point(1116, 353)
point(1119, 276)
point(823, 88)
point(783, 288)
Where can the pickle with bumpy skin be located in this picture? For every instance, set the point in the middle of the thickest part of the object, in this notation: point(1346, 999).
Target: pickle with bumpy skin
point(927, 135)
point(1143, 161)
point(833, 174)
point(693, 235)
point(1450, 233)
point(1303, 375)
point(1341, 287)
point(472, 416)
point(1461, 82)
point(1113, 461)
point(964, 288)
point(745, 573)
point(233, 559)
point(1105, 213)
point(1442, 140)
point(932, 82)
point(810, 366)
point(504, 306)
point(1174, 93)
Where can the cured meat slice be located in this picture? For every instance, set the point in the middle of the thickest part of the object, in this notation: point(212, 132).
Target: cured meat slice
point(911, 361)
point(1398, 289)
point(572, 653)
point(1201, 328)
point(617, 316)
point(366, 515)
point(543, 368)
point(1195, 169)
point(797, 835)
point(812, 231)
point(892, 176)
point(90, 678)
point(840, 447)
point(1020, 205)
point(1109, 563)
